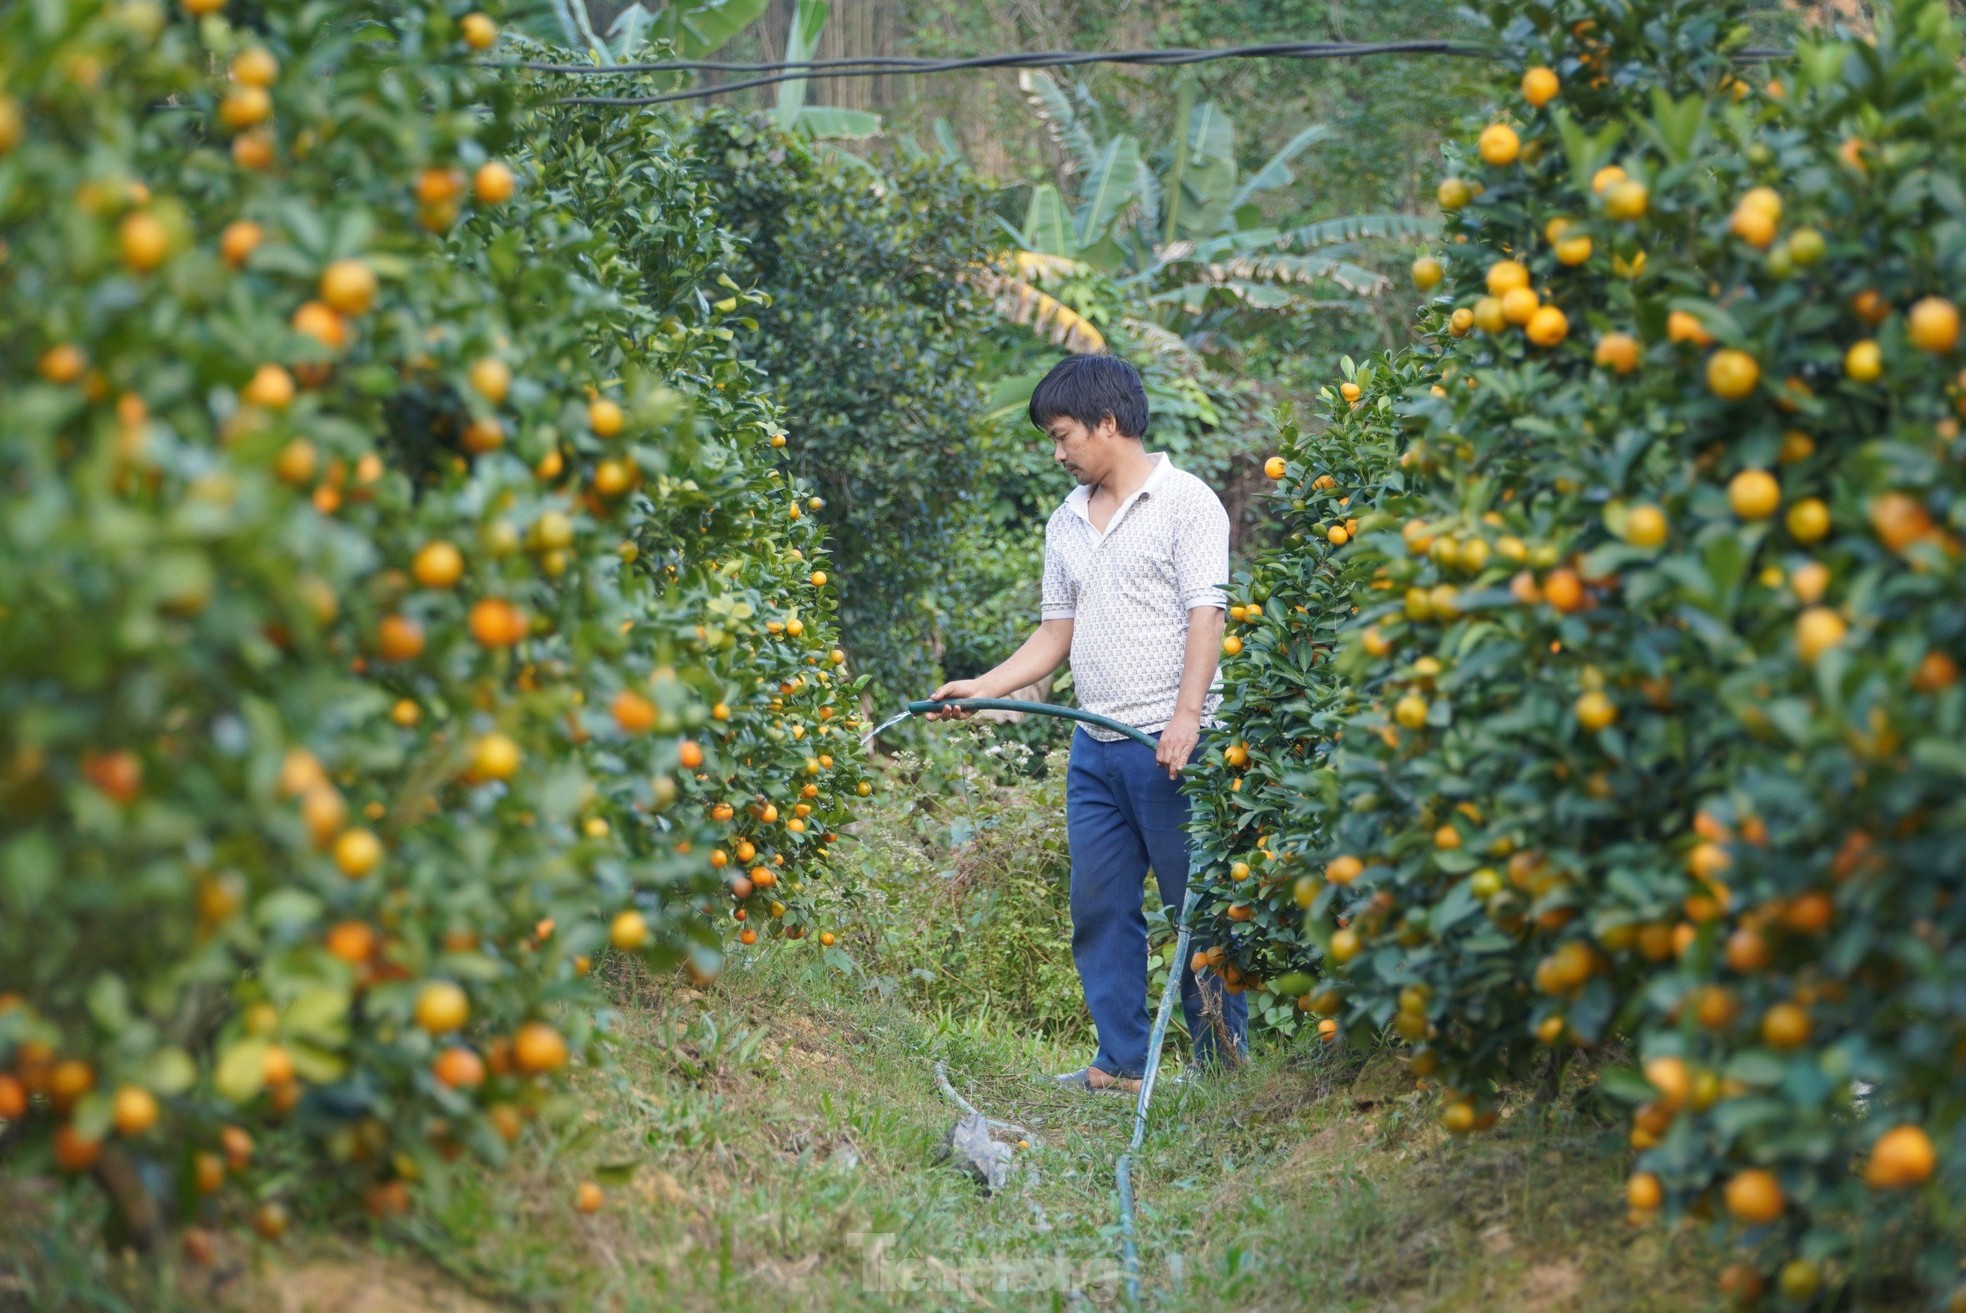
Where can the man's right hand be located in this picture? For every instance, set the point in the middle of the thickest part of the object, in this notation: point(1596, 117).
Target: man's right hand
point(952, 691)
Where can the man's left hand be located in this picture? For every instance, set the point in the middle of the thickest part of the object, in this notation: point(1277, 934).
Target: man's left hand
point(1177, 742)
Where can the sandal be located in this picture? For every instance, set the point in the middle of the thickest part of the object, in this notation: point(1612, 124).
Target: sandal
point(1082, 1080)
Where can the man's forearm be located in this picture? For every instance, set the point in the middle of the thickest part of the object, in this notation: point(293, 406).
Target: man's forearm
point(1205, 624)
point(1043, 652)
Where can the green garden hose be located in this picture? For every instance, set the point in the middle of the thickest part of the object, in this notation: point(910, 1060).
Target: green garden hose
point(1036, 708)
point(1123, 1168)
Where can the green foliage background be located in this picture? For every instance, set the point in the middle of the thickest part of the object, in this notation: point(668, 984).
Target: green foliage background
point(869, 342)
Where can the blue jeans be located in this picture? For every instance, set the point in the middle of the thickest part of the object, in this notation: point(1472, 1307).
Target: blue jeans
point(1123, 815)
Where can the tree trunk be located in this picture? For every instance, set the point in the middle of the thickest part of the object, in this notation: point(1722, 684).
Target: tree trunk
point(1552, 1082)
point(133, 1220)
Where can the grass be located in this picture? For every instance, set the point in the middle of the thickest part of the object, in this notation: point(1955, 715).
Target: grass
point(774, 1140)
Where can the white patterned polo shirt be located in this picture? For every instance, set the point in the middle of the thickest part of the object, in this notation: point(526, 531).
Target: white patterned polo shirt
point(1128, 591)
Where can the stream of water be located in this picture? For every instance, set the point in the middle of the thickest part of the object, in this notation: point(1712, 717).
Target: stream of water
point(868, 737)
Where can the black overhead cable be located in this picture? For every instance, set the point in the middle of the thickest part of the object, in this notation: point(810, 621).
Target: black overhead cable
point(878, 65)
point(1015, 58)
point(873, 66)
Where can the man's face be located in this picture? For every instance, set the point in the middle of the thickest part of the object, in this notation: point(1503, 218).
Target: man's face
point(1079, 449)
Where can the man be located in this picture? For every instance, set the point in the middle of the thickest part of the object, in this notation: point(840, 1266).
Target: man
point(1134, 564)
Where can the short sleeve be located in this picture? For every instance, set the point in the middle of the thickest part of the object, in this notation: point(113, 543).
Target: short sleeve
point(1201, 555)
point(1059, 599)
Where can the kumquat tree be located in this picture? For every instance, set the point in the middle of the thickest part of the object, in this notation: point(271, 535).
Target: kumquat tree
point(1606, 698)
point(403, 602)
point(434, 786)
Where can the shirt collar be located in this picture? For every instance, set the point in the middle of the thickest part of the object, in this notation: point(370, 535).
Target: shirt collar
point(1080, 498)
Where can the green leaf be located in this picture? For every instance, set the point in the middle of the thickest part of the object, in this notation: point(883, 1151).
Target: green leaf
point(832, 122)
point(1177, 171)
point(320, 1014)
point(580, 29)
point(1626, 1085)
point(109, 1002)
point(800, 41)
point(317, 1065)
point(170, 1071)
point(1045, 229)
point(1756, 1067)
point(1792, 718)
point(1714, 319)
point(629, 30)
point(1146, 198)
point(1208, 197)
point(1012, 395)
point(1732, 1116)
point(1678, 126)
point(1358, 228)
point(1456, 862)
point(1276, 170)
point(945, 137)
point(1061, 120)
point(287, 907)
point(1726, 559)
point(1940, 755)
point(1113, 180)
point(505, 254)
point(28, 866)
point(1211, 134)
point(1585, 152)
point(1293, 983)
point(92, 1115)
point(241, 1072)
point(470, 966)
point(702, 27)
point(1456, 906)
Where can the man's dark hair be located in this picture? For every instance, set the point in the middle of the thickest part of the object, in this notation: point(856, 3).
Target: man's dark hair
point(1089, 388)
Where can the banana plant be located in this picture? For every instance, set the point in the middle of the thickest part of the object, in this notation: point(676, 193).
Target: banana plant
point(700, 28)
point(692, 29)
point(1013, 290)
point(1187, 239)
point(820, 122)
